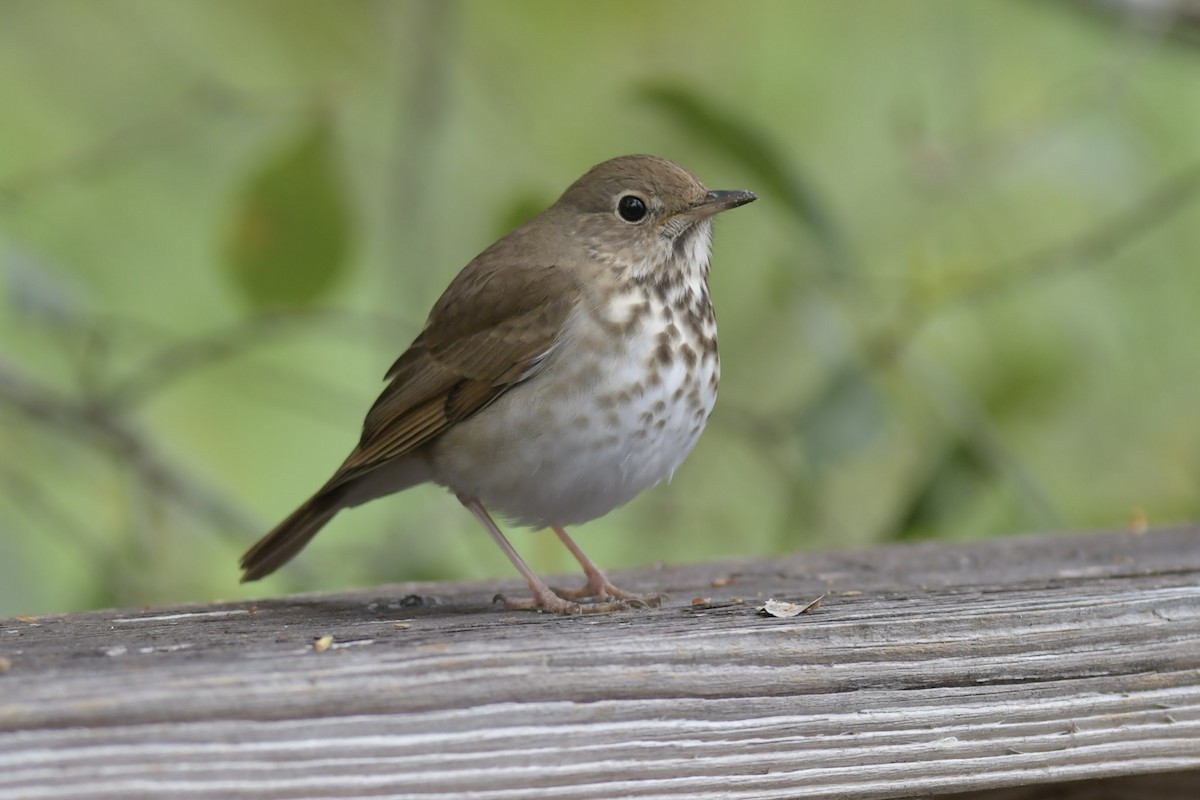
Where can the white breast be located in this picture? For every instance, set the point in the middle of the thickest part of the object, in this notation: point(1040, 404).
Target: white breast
point(617, 407)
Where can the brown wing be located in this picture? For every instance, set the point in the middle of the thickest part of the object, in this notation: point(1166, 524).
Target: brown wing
point(491, 329)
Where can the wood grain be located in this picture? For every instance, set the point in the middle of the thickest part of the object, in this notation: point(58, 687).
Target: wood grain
point(926, 669)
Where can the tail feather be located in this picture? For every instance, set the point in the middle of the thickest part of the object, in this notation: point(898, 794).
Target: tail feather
point(350, 486)
point(289, 537)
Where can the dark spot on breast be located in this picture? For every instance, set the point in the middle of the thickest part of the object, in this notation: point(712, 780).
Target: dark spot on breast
point(659, 406)
point(606, 442)
point(589, 374)
point(613, 419)
point(689, 355)
point(637, 315)
point(611, 329)
point(698, 315)
point(663, 354)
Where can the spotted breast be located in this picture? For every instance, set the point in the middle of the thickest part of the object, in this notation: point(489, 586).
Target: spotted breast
point(618, 405)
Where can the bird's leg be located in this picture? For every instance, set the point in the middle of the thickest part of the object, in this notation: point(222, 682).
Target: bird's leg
point(598, 584)
point(544, 597)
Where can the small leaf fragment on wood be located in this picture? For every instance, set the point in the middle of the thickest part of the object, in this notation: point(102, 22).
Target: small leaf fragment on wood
point(784, 609)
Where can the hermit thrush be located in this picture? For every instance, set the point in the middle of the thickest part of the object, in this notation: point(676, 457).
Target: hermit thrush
point(568, 367)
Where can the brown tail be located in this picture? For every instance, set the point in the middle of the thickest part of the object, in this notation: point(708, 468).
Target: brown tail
point(289, 537)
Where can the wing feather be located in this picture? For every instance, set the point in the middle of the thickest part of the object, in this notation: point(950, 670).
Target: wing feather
point(477, 344)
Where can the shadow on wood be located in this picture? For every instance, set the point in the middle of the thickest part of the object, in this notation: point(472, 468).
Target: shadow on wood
point(927, 669)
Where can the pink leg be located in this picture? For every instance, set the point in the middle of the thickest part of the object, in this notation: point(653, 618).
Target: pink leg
point(597, 582)
point(544, 597)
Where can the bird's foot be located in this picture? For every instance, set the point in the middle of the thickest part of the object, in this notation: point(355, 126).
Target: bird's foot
point(557, 605)
point(599, 587)
point(608, 598)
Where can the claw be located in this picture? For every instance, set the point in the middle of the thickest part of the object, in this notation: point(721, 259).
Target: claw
point(559, 605)
point(559, 601)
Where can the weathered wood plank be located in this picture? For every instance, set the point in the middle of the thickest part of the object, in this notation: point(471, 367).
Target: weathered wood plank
point(926, 670)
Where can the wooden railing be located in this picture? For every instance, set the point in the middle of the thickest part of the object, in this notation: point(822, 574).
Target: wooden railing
point(927, 669)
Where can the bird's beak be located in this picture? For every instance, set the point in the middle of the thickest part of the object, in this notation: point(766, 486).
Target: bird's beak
point(722, 200)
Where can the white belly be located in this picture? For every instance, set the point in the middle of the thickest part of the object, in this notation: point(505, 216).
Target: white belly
point(586, 435)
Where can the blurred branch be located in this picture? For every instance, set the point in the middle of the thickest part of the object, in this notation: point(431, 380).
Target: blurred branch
point(979, 436)
point(63, 416)
point(1174, 20)
point(880, 349)
point(159, 128)
point(1099, 243)
point(423, 41)
point(27, 495)
point(181, 359)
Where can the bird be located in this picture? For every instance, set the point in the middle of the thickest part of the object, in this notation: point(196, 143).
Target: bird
point(567, 368)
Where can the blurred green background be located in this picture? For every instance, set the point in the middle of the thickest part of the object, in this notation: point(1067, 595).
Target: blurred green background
point(965, 305)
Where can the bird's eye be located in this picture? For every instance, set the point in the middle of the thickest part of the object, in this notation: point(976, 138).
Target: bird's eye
point(631, 208)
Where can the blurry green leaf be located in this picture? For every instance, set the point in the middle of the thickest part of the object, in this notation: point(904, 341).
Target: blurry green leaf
point(290, 235)
point(771, 173)
point(844, 418)
point(978, 461)
point(958, 476)
point(1026, 376)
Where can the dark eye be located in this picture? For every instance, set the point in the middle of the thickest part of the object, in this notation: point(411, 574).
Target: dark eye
point(631, 208)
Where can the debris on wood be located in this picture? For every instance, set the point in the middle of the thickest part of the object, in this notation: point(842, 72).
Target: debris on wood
point(784, 609)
